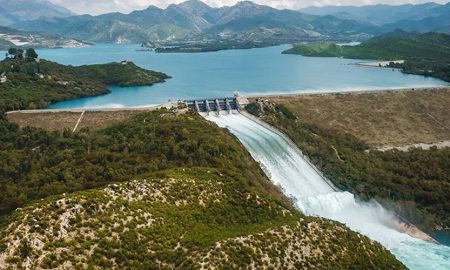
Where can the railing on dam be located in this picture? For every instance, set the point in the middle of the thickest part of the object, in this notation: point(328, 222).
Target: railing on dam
point(213, 105)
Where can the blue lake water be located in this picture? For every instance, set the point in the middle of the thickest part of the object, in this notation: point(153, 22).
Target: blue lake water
point(215, 74)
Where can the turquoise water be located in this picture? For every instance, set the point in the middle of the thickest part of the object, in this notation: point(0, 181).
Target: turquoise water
point(216, 74)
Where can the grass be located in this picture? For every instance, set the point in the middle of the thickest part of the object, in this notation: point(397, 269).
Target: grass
point(378, 118)
point(54, 121)
point(334, 131)
point(61, 120)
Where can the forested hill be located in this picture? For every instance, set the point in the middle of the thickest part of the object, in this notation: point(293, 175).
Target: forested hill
point(427, 54)
point(163, 190)
point(30, 84)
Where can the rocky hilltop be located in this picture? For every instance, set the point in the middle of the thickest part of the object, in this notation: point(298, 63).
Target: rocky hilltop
point(163, 189)
point(188, 219)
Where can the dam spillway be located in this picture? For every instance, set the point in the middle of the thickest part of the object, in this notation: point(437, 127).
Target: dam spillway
point(285, 165)
point(213, 105)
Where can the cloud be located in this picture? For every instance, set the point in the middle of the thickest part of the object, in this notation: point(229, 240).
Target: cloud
point(96, 7)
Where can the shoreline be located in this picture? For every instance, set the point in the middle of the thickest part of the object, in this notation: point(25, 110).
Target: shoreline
point(379, 64)
point(80, 110)
point(249, 97)
point(350, 92)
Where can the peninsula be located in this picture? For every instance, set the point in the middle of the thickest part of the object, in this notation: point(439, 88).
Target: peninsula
point(427, 54)
point(28, 82)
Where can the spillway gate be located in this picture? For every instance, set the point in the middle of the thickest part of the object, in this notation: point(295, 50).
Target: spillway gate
point(213, 105)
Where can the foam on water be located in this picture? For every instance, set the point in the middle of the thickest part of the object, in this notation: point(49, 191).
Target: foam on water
point(285, 166)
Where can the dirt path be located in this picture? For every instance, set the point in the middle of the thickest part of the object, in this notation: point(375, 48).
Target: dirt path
point(78, 122)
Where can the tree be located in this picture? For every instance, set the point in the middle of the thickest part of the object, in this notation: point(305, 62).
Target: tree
point(12, 51)
point(19, 54)
point(31, 53)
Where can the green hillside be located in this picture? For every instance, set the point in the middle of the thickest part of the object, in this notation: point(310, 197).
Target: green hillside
point(163, 190)
point(427, 54)
point(36, 85)
point(414, 184)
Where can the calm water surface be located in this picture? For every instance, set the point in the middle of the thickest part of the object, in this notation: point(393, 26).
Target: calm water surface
point(216, 74)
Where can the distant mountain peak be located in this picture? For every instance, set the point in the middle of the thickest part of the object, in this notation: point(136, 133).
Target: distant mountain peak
point(194, 6)
point(249, 5)
point(193, 3)
point(23, 10)
point(149, 8)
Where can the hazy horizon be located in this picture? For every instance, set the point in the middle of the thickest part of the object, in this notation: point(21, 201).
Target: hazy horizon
point(126, 6)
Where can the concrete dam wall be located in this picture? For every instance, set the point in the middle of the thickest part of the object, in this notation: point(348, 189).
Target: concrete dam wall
point(213, 105)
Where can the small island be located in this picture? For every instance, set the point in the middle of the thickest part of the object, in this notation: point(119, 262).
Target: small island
point(29, 82)
point(427, 54)
point(207, 46)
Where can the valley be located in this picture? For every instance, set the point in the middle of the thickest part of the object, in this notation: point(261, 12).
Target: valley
point(341, 133)
point(122, 146)
point(224, 197)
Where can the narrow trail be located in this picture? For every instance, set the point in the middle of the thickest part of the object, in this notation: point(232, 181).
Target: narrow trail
point(78, 122)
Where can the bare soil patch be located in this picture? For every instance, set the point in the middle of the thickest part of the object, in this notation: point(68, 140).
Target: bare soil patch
point(61, 120)
point(398, 117)
point(48, 120)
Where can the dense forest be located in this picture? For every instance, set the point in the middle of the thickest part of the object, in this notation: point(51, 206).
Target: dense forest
point(160, 189)
point(427, 54)
point(32, 83)
point(37, 163)
point(415, 184)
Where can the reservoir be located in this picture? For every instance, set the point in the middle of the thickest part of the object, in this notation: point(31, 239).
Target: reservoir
point(218, 74)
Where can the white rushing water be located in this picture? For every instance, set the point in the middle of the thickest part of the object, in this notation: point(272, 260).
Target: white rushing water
point(285, 166)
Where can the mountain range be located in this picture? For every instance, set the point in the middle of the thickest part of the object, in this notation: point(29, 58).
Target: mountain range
point(15, 11)
point(416, 18)
point(195, 21)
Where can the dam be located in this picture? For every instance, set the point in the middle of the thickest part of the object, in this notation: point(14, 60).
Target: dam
point(213, 105)
point(219, 105)
point(285, 165)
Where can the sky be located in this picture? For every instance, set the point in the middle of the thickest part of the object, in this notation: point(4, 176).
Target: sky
point(96, 7)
